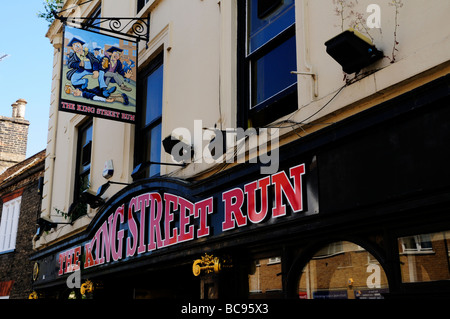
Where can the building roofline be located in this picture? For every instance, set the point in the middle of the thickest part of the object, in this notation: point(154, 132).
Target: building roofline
point(22, 170)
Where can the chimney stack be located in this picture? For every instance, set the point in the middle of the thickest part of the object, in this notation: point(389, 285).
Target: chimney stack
point(21, 104)
point(13, 136)
point(14, 110)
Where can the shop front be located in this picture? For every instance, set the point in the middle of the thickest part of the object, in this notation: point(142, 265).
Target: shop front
point(358, 210)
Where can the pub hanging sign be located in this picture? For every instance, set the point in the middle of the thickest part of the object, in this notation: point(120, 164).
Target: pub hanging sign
point(98, 75)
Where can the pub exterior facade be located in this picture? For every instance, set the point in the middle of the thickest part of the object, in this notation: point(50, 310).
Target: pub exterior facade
point(318, 183)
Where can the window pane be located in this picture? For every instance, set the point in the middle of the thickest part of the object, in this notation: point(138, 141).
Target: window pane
point(267, 19)
point(149, 128)
point(141, 4)
point(86, 135)
point(153, 107)
point(82, 174)
point(86, 145)
point(425, 257)
point(271, 73)
point(9, 224)
point(155, 152)
point(343, 270)
point(152, 150)
point(96, 18)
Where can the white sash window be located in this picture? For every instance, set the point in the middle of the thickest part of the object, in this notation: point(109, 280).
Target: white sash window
point(8, 224)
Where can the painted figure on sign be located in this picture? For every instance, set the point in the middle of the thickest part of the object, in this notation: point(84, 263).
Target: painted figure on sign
point(114, 70)
point(82, 63)
point(127, 67)
point(95, 94)
point(98, 53)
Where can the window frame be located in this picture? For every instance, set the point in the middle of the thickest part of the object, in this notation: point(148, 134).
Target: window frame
point(140, 4)
point(418, 248)
point(80, 171)
point(276, 106)
point(142, 145)
point(9, 224)
point(94, 19)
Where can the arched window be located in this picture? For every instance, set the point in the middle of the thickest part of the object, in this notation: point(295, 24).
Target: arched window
point(342, 270)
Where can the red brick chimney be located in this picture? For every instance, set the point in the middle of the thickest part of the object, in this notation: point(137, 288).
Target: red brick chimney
point(13, 136)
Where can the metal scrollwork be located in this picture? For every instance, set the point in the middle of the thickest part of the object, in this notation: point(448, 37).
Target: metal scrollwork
point(133, 28)
point(138, 26)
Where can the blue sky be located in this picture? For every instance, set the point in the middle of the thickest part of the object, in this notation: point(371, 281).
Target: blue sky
point(27, 72)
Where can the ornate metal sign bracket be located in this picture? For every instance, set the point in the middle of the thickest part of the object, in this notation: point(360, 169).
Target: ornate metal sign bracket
point(132, 28)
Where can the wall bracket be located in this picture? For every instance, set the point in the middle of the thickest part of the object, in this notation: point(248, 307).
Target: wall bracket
point(134, 29)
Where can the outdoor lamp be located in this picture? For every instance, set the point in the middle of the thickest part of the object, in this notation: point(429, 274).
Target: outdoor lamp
point(353, 51)
point(45, 224)
point(102, 189)
point(92, 199)
point(178, 147)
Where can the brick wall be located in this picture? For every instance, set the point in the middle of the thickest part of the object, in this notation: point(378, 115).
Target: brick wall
point(13, 141)
point(16, 266)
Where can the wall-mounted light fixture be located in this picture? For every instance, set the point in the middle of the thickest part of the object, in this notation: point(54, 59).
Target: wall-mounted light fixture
point(353, 51)
point(102, 189)
point(95, 200)
point(178, 147)
point(92, 199)
point(45, 224)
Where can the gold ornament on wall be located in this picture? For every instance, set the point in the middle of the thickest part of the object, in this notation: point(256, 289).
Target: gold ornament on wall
point(209, 264)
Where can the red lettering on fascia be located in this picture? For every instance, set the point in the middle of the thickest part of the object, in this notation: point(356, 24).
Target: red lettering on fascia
point(234, 198)
point(69, 261)
point(170, 237)
point(250, 190)
point(132, 228)
point(62, 259)
point(103, 247)
point(76, 259)
point(186, 211)
point(89, 262)
point(202, 210)
point(69, 254)
point(143, 202)
point(293, 194)
point(109, 241)
point(155, 213)
point(116, 251)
